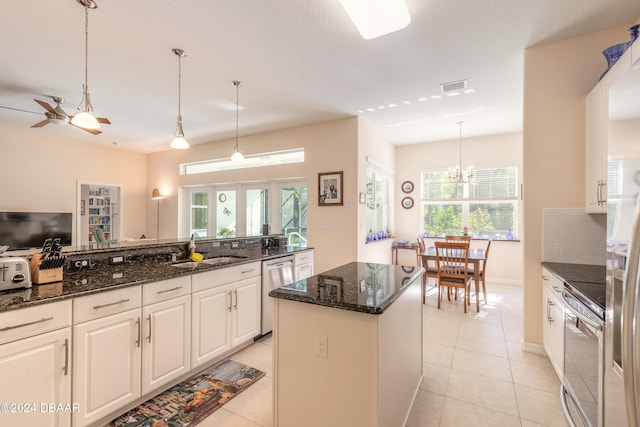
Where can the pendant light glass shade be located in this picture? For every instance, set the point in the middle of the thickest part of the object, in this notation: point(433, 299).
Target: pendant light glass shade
point(179, 142)
point(237, 155)
point(85, 119)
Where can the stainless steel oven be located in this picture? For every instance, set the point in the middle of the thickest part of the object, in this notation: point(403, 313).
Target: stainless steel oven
point(582, 385)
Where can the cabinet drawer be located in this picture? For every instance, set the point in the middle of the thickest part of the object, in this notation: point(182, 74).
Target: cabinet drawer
point(165, 289)
point(105, 303)
point(211, 279)
point(304, 257)
point(26, 322)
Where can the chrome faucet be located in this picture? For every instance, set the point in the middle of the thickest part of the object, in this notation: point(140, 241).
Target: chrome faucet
point(192, 245)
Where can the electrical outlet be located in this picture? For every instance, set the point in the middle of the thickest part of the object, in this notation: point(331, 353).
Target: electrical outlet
point(79, 264)
point(322, 347)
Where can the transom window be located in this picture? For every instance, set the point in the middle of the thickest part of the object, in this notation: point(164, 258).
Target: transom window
point(487, 206)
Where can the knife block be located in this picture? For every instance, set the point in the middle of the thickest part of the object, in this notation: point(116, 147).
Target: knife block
point(39, 276)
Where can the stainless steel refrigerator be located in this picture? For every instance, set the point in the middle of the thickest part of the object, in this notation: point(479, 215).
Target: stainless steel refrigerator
point(622, 327)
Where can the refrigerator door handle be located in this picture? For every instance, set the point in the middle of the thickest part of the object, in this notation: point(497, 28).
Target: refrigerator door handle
point(629, 311)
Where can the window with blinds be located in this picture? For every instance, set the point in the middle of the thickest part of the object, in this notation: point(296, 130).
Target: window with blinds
point(486, 206)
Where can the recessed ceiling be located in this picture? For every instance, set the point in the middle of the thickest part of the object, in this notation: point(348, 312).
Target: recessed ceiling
point(299, 62)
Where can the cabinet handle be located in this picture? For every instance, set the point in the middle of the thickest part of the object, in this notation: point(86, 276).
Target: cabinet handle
point(65, 369)
point(552, 317)
point(545, 278)
point(139, 332)
point(230, 300)
point(557, 289)
point(235, 306)
point(95, 307)
point(548, 318)
point(149, 337)
point(7, 328)
point(247, 271)
point(170, 290)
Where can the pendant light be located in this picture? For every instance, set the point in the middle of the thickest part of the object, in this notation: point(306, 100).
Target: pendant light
point(178, 141)
point(456, 174)
point(237, 155)
point(85, 119)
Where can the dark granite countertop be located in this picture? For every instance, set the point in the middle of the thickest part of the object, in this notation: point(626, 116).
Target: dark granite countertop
point(119, 276)
point(588, 279)
point(357, 286)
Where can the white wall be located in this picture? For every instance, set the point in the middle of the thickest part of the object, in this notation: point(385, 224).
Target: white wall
point(495, 150)
point(373, 146)
point(558, 76)
point(329, 147)
point(41, 167)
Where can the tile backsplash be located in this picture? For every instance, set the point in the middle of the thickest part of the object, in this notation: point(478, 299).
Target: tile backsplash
point(572, 236)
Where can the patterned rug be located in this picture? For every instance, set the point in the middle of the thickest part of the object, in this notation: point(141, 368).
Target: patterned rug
point(191, 401)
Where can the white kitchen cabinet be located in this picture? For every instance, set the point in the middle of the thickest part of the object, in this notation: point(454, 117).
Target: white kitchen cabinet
point(226, 310)
point(553, 320)
point(166, 332)
point(107, 337)
point(303, 265)
point(597, 136)
point(596, 149)
point(35, 363)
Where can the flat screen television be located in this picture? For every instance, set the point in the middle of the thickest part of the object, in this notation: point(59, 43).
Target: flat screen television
point(25, 230)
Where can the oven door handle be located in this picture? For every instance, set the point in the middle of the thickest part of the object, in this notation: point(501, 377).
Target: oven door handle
point(567, 306)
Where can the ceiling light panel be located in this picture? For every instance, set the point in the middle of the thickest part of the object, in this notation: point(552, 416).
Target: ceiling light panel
point(375, 18)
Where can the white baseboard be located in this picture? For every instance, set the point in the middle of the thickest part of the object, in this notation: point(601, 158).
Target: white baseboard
point(533, 348)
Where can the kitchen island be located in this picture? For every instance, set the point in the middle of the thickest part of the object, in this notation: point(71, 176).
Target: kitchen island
point(348, 347)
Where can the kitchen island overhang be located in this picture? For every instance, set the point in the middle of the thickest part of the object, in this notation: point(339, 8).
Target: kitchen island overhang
point(348, 346)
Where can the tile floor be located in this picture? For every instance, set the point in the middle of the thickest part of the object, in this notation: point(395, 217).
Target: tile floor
point(475, 373)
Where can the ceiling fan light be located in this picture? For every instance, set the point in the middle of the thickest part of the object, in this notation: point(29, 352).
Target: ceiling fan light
point(85, 120)
point(237, 156)
point(179, 143)
point(375, 18)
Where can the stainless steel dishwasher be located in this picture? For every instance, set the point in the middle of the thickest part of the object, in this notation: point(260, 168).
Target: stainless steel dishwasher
point(275, 273)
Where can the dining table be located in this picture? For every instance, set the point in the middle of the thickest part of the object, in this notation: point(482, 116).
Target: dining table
point(476, 256)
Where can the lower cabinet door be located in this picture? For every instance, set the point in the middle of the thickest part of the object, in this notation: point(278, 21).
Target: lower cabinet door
point(36, 381)
point(106, 372)
point(246, 310)
point(210, 325)
point(166, 338)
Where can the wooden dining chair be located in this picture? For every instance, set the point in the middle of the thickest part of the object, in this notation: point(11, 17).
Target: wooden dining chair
point(430, 270)
point(451, 261)
point(459, 239)
point(481, 274)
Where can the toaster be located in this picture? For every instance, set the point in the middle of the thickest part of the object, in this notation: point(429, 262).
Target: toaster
point(14, 273)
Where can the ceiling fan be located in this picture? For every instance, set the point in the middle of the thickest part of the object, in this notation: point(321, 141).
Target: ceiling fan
point(57, 115)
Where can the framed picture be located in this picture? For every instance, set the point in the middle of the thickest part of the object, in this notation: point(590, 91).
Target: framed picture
point(407, 202)
point(407, 186)
point(330, 192)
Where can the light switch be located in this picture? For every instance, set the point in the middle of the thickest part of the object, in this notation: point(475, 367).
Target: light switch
point(322, 346)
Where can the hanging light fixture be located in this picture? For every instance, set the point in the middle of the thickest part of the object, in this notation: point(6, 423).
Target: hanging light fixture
point(178, 141)
point(85, 119)
point(237, 155)
point(456, 174)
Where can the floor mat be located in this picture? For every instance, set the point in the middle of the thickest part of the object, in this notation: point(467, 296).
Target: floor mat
point(191, 401)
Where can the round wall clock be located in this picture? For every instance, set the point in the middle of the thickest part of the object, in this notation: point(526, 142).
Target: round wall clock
point(407, 186)
point(407, 202)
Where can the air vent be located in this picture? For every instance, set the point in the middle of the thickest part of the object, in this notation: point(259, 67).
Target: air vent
point(453, 86)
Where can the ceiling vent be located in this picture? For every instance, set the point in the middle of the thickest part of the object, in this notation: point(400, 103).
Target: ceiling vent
point(453, 86)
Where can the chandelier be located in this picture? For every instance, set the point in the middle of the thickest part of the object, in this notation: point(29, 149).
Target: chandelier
point(456, 173)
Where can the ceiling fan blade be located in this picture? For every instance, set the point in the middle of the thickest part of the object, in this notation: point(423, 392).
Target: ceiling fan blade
point(46, 106)
point(92, 131)
point(40, 124)
point(103, 120)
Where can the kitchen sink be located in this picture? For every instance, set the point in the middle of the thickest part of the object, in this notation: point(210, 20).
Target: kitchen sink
point(210, 261)
point(188, 264)
point(223, 259)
